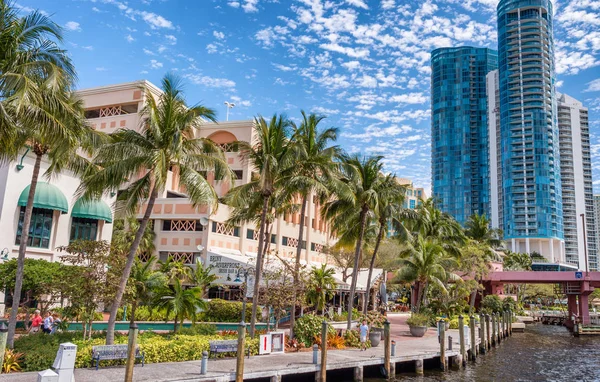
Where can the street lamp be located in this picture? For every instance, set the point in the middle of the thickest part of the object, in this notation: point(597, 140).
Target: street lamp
point(244, 272)
point(229, 105)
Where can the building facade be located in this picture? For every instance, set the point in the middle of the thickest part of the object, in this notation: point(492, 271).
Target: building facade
point(597, 225)
point(415, 196)
point(459, 135)
point(576, 178)
point(531, 184)
point(186, 233)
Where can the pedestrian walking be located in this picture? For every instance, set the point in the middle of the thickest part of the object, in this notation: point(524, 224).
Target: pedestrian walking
point(48, 321)
point(36, 322)
point(364, 333)
point(56, 321)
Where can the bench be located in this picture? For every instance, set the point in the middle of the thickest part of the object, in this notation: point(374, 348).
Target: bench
point(110, 352)
point(226, 346)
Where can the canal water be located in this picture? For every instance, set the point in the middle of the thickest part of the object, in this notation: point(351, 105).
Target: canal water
point(542, 353)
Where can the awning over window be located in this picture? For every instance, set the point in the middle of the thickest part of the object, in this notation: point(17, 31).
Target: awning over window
point(96, 210)
point(47, 196)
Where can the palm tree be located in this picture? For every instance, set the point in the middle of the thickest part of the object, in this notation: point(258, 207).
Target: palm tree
point(166, 139)
point(391, 196)
point(144, 281)
point(203, 277)
point(314, 163)
point(478, 228)
point(355, 192)
point(30, 60)
point(270, 157)
point(175, 270)
point(424, 262)
point(182, 303)
point(64, 134)
point(124, 231)
point(321, 285)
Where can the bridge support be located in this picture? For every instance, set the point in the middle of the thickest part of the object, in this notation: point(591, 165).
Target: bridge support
point(584, 310)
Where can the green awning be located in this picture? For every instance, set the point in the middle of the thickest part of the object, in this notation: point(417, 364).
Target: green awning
point(46, 196)
point(96, 210)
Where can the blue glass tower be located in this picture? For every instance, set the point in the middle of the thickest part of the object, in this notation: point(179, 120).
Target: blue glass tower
point(531, 185)
point(459, 134)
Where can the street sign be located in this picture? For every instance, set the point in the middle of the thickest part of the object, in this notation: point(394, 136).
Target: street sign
point(578, 275)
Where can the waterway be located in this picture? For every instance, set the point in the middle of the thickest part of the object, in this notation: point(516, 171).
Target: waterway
point(542, 353)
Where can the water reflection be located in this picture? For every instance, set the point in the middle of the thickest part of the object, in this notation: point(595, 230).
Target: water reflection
point(542, 353)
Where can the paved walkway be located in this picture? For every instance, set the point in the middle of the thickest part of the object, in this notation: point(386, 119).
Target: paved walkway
point(407, 348)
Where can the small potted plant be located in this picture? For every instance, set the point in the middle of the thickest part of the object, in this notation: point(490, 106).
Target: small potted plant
point(417, 324)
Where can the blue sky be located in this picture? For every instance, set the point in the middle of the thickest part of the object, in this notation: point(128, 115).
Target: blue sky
point(363, 63)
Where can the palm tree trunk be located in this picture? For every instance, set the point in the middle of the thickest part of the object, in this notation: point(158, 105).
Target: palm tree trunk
point(110, 329)
point(375, 250)
point(363, 220)
point(259, 260)
point(132, 314)
point(297, 265)
point(12, 321)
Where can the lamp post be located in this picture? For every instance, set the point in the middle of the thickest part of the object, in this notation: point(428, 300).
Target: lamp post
point(229, 105)
point(245, 272)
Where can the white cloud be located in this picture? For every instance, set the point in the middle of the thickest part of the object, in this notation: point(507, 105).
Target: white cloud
point(410, 98)
point(219, 35)
point(171, 39)
point(249, 6)
point(284, 68)
point(574, 61)
point(358, 3)
point(101, 69)
point(367, 82)
point(149, 52)
point(325, 111)
point(155, 64)
point(351, 52)
point(72, 26)
point(240, 102)
point(351, 65)
point(212, 48)
point(210, 81)
point(234, 4)
point(96, 9)
point(388, 4)
point(593, 86)
point(156, 21)
point(129, 38)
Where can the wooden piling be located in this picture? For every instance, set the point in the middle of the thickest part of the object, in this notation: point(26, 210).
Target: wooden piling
point(494, 338)
point(419, 366)
point(461, 337)
point(442, 331)
point(323, 370)
point(487, 331)
point(387, 346)
point(358, 374)
point(482, 336)
point(473, 339)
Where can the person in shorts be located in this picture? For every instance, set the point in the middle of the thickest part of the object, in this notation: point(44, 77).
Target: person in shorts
point(364, 333)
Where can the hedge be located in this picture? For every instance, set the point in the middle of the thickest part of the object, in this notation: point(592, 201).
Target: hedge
point(40, 349)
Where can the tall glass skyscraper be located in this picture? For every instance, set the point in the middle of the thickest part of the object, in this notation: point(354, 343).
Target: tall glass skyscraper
point(459, 136)
point(531, 183)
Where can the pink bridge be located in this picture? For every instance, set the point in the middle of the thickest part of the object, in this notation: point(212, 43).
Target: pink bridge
point(576, 285)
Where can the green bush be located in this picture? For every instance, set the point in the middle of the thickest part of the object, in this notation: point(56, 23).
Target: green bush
point(144, 313)
point(309, 326)
point(352, 339)
point(417, 319)
point(225, 311)
point(509, 303)
point(40, 349)
point(374, 319)
point(199, 329)
point(491, 304)
point(454, 322)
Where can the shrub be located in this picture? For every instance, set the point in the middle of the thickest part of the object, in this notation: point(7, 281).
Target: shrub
point(374, 319)
point(309, 326)
point(352, 339)
point(333, 341)
point(491, 304)
point(454, 322)
point(40, 349)
point(509, 303)
point(417, 319)
point(225, 311)
point(144, 313)
point(12, 361)
point(199, 329)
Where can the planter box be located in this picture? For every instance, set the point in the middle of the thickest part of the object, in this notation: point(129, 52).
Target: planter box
point(375, 338)
point(418, 331)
